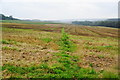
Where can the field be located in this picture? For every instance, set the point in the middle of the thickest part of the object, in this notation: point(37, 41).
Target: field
point(27, 22)
point(38, 51)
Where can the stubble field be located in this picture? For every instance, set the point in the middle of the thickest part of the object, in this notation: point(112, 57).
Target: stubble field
point(33, 51)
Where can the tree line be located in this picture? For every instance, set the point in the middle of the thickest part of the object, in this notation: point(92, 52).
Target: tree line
point(106, 23)
point(3, 17)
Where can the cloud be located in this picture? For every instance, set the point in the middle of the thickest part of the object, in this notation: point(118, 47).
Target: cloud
point(60, 9)
point(60, 0)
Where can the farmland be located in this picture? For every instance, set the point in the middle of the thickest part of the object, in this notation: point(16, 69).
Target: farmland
point(33, 50)
point(27, 22)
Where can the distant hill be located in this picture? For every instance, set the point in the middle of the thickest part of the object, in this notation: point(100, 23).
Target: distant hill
point(3, 17)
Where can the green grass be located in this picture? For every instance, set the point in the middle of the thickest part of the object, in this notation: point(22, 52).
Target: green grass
point(5, 42)
point(47, 40)
point(8, 42)
point(9, 48)
point(107, 74)
point(56, 71)
point(66, 44)
point(102, 48)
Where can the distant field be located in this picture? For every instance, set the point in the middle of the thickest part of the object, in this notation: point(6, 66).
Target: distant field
point(33, 51)
point(26, 22)
point(69, 28)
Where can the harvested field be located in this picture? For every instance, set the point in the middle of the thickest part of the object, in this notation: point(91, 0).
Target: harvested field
point(33, 51)
point(72, 29)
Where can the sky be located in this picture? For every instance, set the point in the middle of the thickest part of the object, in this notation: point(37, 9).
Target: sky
point(60, 9)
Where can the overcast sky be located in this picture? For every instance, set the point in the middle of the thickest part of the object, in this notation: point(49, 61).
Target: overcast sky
point(60, 9)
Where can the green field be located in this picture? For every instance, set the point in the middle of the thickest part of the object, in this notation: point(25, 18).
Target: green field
point(47, 51)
